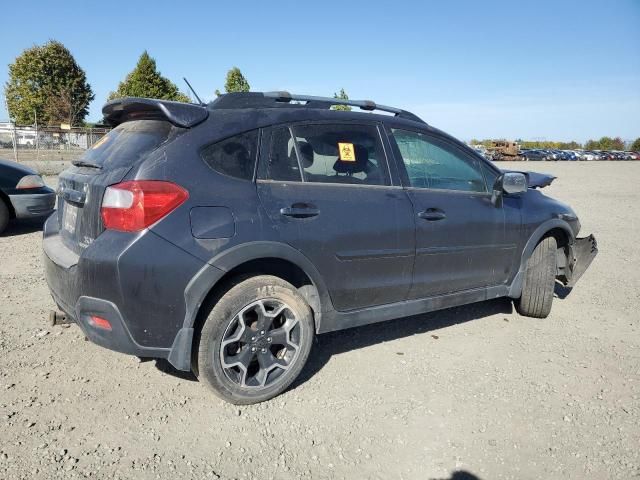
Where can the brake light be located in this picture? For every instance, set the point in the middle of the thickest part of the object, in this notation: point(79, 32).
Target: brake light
point(99, 322)
point(135, 205)
point(30, 181)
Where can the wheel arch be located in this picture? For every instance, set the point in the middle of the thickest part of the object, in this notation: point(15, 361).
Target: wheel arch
point(557, 228)
point(256, 258)
point(242, 261)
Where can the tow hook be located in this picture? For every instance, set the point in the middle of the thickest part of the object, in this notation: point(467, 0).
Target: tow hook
point(58, 318)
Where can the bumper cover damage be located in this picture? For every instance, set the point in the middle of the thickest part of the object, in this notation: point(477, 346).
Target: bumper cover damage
point(581, 254)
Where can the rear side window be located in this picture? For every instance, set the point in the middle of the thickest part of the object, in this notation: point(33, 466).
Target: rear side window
point(334, 153)
point(234, 156)
point(129, 141)
point(282, 164)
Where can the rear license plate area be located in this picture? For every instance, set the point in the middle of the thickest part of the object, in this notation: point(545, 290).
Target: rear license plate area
point(69, 217)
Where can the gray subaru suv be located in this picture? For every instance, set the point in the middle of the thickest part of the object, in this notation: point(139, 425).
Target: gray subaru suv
point(223, 237)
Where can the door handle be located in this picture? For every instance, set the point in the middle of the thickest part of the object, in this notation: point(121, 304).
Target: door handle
point(432, 214)
point(300, 211)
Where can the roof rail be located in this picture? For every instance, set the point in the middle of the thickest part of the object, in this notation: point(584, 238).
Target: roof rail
point(283, 99)
point(313, 101)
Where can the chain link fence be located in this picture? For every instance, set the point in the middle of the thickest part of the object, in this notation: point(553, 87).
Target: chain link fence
point(30, 143)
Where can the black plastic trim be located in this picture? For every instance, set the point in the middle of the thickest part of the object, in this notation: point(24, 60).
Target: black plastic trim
point(185, 115)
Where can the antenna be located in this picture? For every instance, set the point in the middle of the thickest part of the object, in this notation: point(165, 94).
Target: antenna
point(193, 91)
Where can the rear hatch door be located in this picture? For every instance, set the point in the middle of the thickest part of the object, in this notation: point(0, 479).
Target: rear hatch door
point(81, 187)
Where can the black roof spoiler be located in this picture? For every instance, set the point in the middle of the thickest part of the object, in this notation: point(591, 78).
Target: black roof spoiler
point(185, 115)
point(284, 99)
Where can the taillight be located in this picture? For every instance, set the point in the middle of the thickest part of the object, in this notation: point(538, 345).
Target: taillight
point(134, 205)
point(30, 181)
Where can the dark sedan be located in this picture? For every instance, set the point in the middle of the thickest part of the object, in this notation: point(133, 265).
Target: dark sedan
point(534, 155)
point(23, 194)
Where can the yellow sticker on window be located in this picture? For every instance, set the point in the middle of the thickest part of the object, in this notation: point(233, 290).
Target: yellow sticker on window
point(347, 152)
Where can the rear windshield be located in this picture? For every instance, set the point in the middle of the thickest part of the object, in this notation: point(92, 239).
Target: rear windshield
point(128, 142)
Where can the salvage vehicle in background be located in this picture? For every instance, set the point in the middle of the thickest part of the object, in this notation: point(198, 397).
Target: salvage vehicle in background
point(503, 150)
point(224, 237)
point(23, 194)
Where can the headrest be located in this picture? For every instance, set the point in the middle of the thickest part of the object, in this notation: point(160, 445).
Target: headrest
point(306, 154)
point(358, 166)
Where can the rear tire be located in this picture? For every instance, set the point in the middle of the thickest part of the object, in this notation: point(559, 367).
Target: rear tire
point(539, 281)
point(255, 341)
point(5, 215)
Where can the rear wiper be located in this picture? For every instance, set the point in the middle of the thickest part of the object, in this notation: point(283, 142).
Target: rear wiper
point(83, 163)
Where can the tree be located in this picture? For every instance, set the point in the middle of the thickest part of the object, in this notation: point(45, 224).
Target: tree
point(146, 81)
point(235, 82)
point(605, 143)
point(46, 83)
point(617, 144)
point(342, 95)
point(635, 146)
point(591, 145)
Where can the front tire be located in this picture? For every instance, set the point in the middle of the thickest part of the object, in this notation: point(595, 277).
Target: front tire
point(539, 281)
point(255, 341)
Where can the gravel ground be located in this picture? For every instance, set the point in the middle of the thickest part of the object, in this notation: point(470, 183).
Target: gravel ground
point(466, 393)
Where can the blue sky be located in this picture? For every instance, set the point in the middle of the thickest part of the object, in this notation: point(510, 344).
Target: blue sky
point(546, 69)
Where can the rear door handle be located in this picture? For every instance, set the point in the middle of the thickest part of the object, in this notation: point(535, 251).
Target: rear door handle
point(300, 211)
point(432, 214)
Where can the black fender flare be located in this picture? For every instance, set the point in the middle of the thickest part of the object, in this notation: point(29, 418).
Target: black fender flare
point(210, 274)
point(246, 252)
point(515, 289)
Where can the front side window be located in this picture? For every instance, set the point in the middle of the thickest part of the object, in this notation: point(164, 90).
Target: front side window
point(431, 163)
point(234, 156)
point(490, 175)
point(346, 153)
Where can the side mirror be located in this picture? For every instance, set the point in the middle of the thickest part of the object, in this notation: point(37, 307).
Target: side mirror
point(509, 183)
point(512, 183)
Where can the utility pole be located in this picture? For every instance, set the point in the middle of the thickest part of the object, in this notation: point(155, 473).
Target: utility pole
point(35, 117)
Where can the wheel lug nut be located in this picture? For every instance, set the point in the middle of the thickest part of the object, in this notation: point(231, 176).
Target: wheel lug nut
point(261, 332)
point(253, 339)
point(253, 349)
point(264, 350)
point(269, 339)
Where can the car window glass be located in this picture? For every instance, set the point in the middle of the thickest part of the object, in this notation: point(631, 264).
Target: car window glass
point(490, 175)
point(282, 163)
point(433, 164)
point(346, 153)
point(234, 156)
point(128, 142)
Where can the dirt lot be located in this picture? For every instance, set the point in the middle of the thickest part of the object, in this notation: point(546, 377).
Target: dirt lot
point(469, 392)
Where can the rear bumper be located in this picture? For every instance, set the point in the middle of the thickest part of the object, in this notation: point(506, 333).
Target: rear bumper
point(582, 253)
point(33, 205)
point(135, 282)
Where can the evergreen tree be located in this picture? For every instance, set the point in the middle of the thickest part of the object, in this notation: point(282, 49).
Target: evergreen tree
point(146, 81)
point(235, 82)
point(342, 95)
